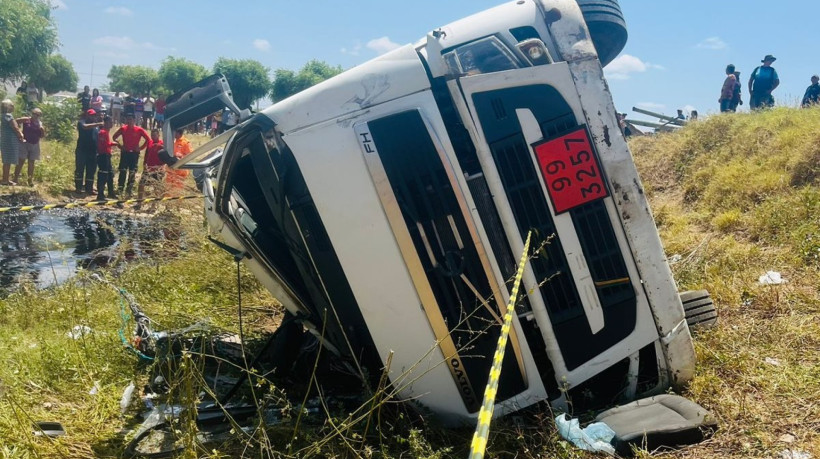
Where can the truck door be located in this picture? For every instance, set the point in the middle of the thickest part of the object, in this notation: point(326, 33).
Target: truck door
point(543, 170)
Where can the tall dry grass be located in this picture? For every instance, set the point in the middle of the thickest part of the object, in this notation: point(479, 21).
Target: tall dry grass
point(734, 196)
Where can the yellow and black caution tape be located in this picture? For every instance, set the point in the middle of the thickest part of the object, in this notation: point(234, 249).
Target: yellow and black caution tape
point(482, 430)
point(108, 202)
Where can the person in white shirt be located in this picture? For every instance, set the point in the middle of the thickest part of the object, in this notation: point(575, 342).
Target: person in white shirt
point(116, 108)
point(231, 120)
point(148, 113)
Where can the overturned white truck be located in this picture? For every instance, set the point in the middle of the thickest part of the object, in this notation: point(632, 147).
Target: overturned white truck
point(386, 208)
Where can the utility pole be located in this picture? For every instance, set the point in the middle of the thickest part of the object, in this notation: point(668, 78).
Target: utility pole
point(91, 82)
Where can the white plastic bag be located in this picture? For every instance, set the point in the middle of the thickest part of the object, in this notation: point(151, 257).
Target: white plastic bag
point(596, 437)
point(772, 278)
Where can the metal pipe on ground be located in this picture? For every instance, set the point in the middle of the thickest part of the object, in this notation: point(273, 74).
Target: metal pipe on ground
point(671, 119)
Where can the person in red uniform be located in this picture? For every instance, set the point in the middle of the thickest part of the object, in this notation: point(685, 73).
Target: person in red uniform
point(131, 146)
point(159, 112)
point(105, 172)
point(153, 169)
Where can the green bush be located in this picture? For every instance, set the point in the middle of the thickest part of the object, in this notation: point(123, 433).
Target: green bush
point(60, 120)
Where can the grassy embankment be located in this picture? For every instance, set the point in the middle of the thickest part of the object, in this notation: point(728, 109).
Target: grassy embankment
point(734, 196)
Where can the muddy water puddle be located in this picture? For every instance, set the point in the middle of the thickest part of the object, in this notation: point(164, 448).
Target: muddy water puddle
point(48, 247)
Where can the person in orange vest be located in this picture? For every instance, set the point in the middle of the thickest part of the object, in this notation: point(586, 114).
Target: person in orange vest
point(182, 147)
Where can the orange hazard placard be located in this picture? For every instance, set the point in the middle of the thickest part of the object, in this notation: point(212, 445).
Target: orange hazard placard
point(571, 170)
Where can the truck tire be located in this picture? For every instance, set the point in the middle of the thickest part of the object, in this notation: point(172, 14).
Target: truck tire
point(606, 26)
point(698, 309)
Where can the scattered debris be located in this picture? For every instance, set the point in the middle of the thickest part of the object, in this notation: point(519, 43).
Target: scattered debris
point(95, 389)
point(48, 429)
point(794, 454)
point(787, 438)
point(79, 331)
point(772, 361)
point(772, 278)
point(595, 437)
point(675, 259)
point(127, 394)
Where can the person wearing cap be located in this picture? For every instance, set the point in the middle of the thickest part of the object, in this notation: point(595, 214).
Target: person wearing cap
point(763, 81)
point(134, 140)
point(812, 96)
point(85, 155)
point(33, 131)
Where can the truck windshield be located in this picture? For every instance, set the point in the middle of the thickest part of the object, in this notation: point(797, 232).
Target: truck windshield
point(482, 56)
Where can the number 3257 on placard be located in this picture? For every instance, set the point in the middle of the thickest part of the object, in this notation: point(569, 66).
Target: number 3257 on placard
point(571, 170)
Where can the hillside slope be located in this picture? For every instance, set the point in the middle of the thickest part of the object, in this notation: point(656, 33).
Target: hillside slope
point(736, 196)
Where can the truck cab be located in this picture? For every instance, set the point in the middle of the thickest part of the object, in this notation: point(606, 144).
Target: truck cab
point(386, 208)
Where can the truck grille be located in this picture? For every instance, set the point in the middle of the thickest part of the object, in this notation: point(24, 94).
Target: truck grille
point(523, 188)
point(441, 238)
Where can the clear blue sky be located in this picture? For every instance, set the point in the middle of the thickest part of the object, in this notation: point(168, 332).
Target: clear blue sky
point(675, 57)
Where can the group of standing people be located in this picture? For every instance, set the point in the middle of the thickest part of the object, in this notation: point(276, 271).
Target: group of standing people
point(763, 81)
point(95, 144)
point(19, 142)
point(149, 113)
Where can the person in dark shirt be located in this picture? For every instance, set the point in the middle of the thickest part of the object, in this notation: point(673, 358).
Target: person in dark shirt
point(84, 98)
point(812, 96)
point(736, 96)
point(85, 155)
point(33, 131)
point(128, 106)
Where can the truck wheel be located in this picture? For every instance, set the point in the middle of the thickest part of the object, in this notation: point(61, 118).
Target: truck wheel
point(699, 309)
point(606, 26)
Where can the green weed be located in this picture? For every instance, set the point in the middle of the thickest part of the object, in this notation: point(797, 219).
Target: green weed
point(733, 196)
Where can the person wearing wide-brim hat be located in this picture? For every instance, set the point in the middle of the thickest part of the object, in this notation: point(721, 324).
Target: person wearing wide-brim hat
point(763, 81)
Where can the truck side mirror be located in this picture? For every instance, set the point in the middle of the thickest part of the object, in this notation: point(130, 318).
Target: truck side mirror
point(198, 101)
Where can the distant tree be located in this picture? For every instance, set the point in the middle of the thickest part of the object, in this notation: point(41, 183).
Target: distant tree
point(177, 73)
point(287, 82)
point(133, 79)
point(248, 78)
point(28, 35)
point(54, 75)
